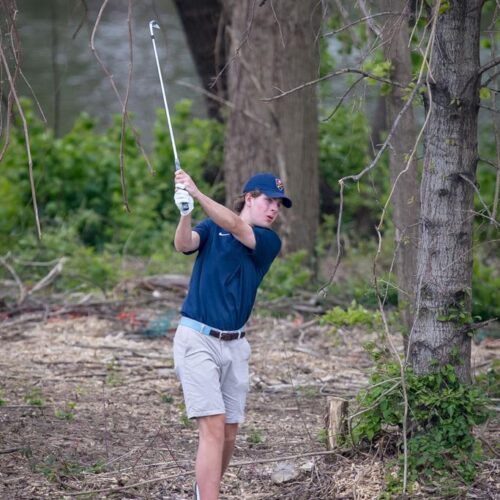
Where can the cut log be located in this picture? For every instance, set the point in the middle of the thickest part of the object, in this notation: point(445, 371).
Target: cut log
point(336, 422)
point(151, 283)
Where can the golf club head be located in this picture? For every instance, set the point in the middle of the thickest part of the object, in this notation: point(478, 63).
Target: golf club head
point(153, 25)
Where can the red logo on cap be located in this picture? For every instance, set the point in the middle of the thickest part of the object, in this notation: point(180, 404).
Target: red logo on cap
point(279, 185)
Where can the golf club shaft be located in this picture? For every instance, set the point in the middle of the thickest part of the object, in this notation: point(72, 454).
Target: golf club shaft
point(167, 113)
point(152, 25)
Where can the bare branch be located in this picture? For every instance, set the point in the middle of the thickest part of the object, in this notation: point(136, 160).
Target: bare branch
point(6, 129)
point(493, 110)
point(366, 18)
point(225, 102)
point(489, 65)
point(476, 326)
point(465, 178)
point(324, 288)
point(490, 163)
point(346, 93)
point(50, 277)
point(346, 18)
point(19, 283)
point(113, 85)
point(491, 78)
point(397, 357)
point(373, 26)
point(496, 133)
point(244, 40)
point(124, 108)
point(84, 18)
point(27, 139)
point(318, 453)
point(426, 57)
point(278, 23)
point(332, 75)
point(408, 103)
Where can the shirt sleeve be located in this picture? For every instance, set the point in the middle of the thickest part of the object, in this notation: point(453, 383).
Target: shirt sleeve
point(203, 229)
point(267, 247)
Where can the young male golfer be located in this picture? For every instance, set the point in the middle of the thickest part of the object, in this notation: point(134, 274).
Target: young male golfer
point(235, 250)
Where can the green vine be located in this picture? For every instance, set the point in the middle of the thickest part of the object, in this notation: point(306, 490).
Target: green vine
point(441, 414)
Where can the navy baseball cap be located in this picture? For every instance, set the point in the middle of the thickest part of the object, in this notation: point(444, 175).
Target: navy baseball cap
point(268, 184)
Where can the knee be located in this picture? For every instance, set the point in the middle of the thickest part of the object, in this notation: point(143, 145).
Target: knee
point(212, 428)
point(230, 432)
point(229, 440)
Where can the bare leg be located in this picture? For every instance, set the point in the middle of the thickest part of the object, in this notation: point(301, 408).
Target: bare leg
point(229, 440)
point(209, 457)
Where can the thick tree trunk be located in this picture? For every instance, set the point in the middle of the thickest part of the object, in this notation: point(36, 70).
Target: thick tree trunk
point(406, 199)
point(275, 46)
point(444, 263)
point(204, 27)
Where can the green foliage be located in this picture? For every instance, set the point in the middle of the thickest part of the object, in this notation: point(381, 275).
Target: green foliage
point(485, 290)
point(34, 397)
point(68, 412)
point(355, 315)
point(323, 436)
point(167, 399)
point(80, 199)
point(345, 42)
point(363, 292)
point(2, 401)
point(484, 93)
point(285, 276)
point(255, 436)
point(78, 181)
point(57, 469)
point(378, 67)
point(444, 6)
point(442, 412)
point(344, 150)
point(457, 314)
point(489, 381)
point(184, 420)
point(114, 374)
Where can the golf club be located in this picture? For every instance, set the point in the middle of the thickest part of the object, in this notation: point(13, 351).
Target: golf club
point(152, 26)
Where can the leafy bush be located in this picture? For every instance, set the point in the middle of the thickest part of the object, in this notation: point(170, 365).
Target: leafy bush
point(485, 290)
point(286, 275)
point(442, 412)
point(354, 315)
point(78, 181)
point(343, 151)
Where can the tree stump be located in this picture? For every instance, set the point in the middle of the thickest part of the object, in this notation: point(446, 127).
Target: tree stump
point(336, 422)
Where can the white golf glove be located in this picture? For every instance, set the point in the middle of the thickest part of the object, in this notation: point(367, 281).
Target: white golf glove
point(183, 200)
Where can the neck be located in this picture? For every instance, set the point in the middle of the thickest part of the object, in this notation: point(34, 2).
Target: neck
point(245, 215)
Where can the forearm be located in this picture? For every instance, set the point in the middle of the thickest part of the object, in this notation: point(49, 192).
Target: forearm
point(183, 240)
point(221, 215)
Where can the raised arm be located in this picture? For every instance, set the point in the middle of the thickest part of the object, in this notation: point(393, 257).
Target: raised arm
point(221, 215)
point(186, 240)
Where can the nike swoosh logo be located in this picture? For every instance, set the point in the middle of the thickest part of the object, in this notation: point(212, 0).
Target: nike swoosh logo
point(224, 234)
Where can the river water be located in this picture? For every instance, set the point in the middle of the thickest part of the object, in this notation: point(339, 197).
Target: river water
point(57, 60)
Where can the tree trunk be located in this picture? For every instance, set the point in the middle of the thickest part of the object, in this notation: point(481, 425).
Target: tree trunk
point(444, 266)
point(275, 46)
point(405, 199)
point(203, 24)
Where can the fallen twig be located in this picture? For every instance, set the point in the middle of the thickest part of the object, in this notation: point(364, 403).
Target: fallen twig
point(192, 472)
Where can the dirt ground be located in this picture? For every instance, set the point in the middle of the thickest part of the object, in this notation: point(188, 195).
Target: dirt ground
point(92, 408)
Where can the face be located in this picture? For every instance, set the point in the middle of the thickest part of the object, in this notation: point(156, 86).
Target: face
point(263, 210)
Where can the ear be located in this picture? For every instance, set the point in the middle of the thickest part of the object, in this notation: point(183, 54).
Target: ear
point(248, 199)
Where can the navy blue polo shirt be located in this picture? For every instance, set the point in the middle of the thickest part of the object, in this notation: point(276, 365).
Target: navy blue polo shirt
point(226, 275)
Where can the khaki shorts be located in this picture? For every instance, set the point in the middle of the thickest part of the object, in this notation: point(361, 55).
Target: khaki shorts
point(213, 374)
